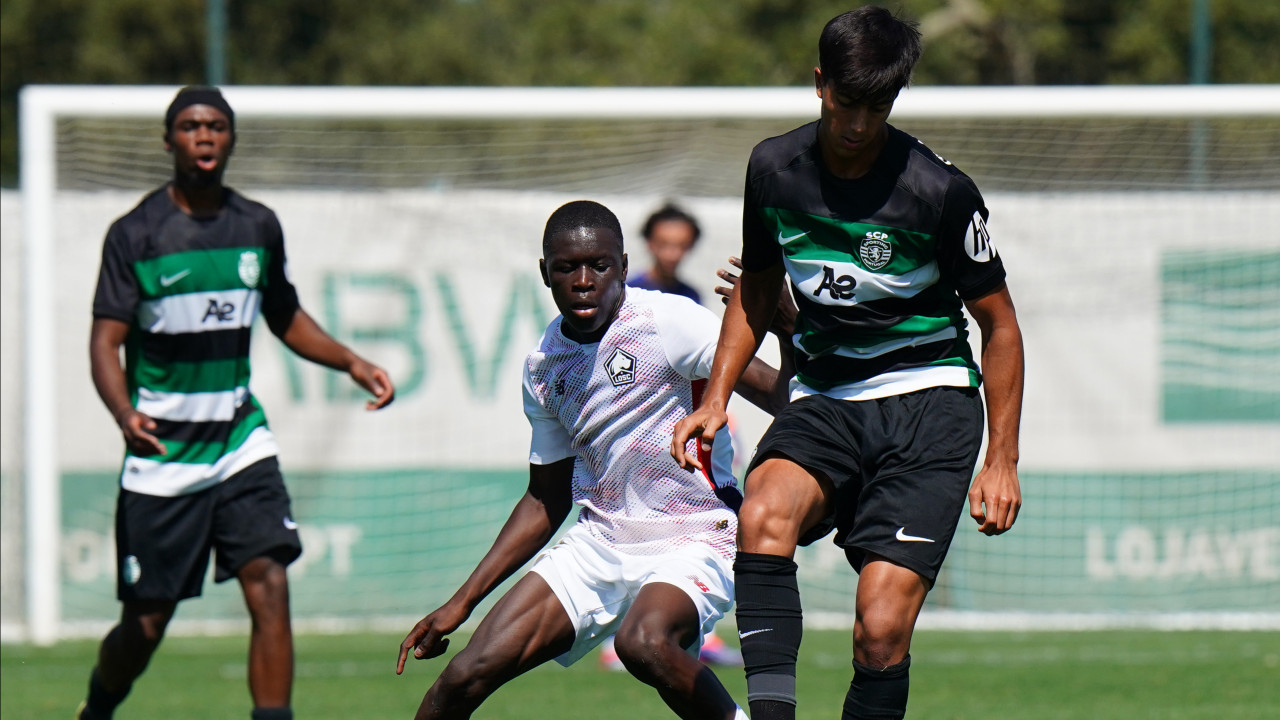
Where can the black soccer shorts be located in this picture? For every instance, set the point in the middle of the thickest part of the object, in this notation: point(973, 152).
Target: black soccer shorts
point(901, 467)
point(163, 543)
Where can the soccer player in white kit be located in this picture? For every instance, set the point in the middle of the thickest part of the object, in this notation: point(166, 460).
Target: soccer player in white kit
point(650, 558)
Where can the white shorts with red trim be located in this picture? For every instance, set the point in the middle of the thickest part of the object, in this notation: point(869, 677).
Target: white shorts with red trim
point(596, 584)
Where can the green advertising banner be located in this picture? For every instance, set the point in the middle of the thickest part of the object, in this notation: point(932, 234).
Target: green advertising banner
point(391, 544)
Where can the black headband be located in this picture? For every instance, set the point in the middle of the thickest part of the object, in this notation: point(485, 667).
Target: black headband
point(198, 95)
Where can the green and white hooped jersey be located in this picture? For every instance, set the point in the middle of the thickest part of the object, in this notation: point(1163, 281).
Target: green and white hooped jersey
point(191, 290)
point(878, 265)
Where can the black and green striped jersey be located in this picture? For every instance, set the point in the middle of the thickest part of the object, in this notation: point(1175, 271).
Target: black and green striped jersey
point(190, 289)
point(878, 265)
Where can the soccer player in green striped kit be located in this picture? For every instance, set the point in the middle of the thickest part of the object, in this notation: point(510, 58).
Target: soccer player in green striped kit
point(183, 277)
point(884, 244)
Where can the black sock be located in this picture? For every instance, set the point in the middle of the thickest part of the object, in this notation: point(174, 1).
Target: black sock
point(878, 694)
point(770, 626)
point(274, 713)
point(101, 703)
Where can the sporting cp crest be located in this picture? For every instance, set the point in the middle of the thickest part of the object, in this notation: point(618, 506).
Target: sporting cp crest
point(875, 250)
point(621, 367)
point(250, 268)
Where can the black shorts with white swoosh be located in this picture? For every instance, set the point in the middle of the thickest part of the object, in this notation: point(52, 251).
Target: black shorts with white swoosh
point(163, 543)
point(901, 467)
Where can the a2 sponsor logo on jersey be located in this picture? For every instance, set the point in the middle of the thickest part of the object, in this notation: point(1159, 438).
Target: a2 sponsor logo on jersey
point(222, 312)
point(840, 288)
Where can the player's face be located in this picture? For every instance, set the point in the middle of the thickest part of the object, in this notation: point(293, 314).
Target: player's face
point(585, 269)
point(852, 132)
point(669, 241)
point(201, 141)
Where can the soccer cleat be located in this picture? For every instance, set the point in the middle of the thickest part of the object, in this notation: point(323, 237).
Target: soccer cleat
point(717, 652)
point(609, 659)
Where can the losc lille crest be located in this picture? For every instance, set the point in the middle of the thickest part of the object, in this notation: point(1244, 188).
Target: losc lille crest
point(875, 251)
point(621, 367)
point(250, 268)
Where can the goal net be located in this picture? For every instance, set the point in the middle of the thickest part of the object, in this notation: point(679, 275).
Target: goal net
point(1138, 226)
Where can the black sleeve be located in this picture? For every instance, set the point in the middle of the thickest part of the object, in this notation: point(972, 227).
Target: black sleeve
point(759, 250)
point(279, 297)
point(117, 294)
point(966, 257)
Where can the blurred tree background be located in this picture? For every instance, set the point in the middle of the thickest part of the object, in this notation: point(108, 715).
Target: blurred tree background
point(608, 42)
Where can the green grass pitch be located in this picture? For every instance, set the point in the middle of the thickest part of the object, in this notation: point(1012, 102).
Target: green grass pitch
point(954, 676)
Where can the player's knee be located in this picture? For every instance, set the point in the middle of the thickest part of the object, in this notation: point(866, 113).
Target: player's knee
point(266, 574)
point(643, 650)
point(759, 523)
point(266, 590)
point(146, 625)
point(469, 678)
point(880, 639)
point(455, 689)
point(151, 631)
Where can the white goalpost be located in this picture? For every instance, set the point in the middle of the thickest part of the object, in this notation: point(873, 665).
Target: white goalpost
point(1139, 225)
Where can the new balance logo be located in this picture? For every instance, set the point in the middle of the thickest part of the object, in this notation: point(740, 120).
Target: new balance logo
point(749, 633)
point(904, 537)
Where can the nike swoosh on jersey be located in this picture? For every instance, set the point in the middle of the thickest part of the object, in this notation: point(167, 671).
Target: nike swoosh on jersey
point(749, 633)
point(167, 280)
point(785, 240)
point(904, 537)
point(289, 524)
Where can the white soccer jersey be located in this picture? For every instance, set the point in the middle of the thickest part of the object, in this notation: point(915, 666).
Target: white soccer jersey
point(614, 404)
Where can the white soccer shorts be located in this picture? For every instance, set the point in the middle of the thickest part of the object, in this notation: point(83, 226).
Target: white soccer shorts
point(597, 584)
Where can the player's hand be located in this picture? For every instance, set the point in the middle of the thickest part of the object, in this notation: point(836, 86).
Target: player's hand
point(427, 638)
point(136, 427)
point(784, 318)
point(376, 381)
point(700, 425)
point(995, 498)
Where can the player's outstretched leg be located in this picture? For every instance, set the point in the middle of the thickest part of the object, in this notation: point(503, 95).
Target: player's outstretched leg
point(888, 603)
point(124, 654)
point(526, 628)
point(651, 642)
point(770, 627)
point(783, 500)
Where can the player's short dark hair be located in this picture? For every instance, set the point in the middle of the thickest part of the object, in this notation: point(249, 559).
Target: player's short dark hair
point(580, 214)
point(198, 95)
point(868, 54)
point(670, 211)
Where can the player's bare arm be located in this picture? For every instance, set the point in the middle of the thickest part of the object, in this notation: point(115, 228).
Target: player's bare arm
point(761, 385)
point(305, 337)
point(746, 319)
point(105, 339)
point(764, 386)
point(784, 319)
point(536, 517)
point(995, 496)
